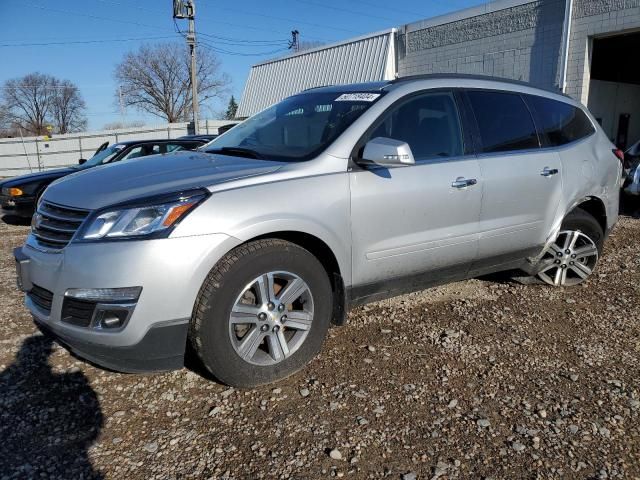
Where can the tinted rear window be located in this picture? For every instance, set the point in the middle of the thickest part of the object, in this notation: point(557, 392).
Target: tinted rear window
point(559, 122)
point(504, 122)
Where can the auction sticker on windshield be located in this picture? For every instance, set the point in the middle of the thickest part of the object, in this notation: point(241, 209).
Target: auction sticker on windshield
point(357, 97)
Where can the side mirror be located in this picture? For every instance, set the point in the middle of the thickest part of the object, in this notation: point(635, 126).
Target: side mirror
point(387, 152)
point(82, 161)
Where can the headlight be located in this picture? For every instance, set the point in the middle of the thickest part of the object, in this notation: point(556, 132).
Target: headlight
point(154, 219)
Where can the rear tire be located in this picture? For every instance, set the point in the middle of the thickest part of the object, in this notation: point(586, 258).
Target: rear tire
point(262, 313)
point(573, 256)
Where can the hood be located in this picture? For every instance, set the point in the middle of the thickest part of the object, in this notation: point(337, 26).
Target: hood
point(100, 187)
point(48, 175)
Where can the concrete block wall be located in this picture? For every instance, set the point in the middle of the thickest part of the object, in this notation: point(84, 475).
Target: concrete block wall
point(592, 18)
point(522, 41)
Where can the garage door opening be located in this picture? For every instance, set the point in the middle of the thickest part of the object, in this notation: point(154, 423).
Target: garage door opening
point(614, 91)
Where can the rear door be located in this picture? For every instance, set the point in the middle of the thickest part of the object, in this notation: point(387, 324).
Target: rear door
point(420, 218)
point(522, 181)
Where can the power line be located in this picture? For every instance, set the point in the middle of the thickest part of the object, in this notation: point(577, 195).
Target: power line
point(239, 54)
point(230, 41)
point(233, 41)
point(156, 27)
point(81, 42)
point(285, 19)
point(223, 22)
point(94, 17)
point(52, 86)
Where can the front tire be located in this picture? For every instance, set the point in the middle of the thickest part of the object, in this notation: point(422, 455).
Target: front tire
point(262, 313)
point(573, 256)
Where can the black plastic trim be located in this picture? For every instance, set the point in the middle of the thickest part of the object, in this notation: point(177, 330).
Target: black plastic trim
point(392, 287)
point(161, 349)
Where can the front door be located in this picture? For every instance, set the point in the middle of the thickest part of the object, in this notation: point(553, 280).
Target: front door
point(420, 219)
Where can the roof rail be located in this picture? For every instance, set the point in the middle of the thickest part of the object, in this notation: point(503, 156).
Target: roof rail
point(468, 76)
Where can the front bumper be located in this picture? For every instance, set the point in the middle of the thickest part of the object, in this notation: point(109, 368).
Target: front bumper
point(16, 206)
point(170, 272)
point(161, 349)
point(632, 186)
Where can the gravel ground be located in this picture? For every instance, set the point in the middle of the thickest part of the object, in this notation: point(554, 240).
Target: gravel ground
point(478, 379)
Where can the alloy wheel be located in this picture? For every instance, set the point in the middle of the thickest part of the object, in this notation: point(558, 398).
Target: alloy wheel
point(568, 261)
point(271, 318)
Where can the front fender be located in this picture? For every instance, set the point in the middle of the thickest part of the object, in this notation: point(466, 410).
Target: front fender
point(337, 244)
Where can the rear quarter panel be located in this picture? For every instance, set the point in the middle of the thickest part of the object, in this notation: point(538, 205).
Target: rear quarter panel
point(591, 170)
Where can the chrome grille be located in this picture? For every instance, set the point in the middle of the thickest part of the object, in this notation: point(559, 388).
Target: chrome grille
point(54, 226)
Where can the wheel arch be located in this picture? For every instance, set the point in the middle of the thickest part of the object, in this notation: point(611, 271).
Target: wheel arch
point(595, 207)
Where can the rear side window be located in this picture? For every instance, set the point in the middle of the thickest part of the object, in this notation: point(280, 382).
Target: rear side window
point(559, 122)
point(504, 122)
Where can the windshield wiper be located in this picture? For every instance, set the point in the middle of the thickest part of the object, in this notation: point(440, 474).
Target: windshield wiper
point(236, 151)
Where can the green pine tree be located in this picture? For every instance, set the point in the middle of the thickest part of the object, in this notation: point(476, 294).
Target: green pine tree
point(232, 108)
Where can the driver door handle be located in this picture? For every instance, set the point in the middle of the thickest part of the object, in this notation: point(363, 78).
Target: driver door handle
point(462, 182)
point(548, 172)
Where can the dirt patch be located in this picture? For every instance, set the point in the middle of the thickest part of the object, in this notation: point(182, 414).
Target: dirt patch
point(478, 379)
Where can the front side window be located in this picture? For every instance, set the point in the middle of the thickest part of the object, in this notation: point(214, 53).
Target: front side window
point(504, 122)
point(429, 123)
point(560, 122)
point(296, 129)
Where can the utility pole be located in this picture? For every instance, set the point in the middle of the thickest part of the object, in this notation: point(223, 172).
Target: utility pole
point(121, 102)
point(187, 9)
point(295, 42)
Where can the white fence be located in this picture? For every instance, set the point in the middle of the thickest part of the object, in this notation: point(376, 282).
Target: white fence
point(32, 154)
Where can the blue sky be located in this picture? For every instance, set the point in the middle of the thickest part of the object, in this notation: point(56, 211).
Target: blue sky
point(252, 30)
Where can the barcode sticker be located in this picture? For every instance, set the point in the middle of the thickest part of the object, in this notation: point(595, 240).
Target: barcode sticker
point(357, 97)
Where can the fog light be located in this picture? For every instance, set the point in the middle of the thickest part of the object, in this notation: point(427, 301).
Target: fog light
point(128, 294)
point(109, 319)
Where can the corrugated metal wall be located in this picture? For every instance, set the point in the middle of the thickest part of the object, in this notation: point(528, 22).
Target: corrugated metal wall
point(364, 59)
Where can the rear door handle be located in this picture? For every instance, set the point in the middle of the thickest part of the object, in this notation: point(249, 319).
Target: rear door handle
point(462, 182)
point(548, 172)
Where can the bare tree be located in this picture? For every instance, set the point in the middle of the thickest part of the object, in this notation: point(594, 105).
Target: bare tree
point(6, 124)
point(156, 79)
point(29, 101)
point(36, 101)
point(68, 108)
point(119, 125)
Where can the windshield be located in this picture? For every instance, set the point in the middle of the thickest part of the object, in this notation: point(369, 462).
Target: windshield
point(104, 156)
point(297, 128)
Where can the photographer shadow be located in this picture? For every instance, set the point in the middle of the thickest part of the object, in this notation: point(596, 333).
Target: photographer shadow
point(48, 420)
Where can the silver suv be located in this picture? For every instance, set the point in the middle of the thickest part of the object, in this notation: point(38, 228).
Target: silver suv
point(335, 197)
